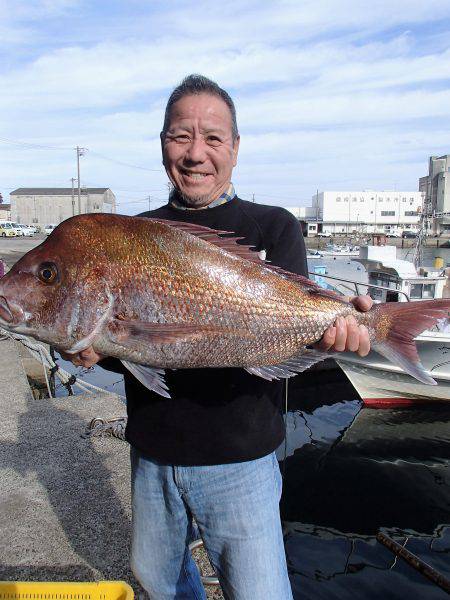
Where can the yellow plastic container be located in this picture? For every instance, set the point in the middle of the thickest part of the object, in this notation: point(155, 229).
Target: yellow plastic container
point(65, 590)
point(438, 262)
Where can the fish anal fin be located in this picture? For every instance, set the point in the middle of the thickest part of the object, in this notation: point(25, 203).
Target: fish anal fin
point(291, 366)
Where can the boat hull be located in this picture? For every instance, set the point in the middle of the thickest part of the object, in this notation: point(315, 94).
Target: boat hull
point(380, 383)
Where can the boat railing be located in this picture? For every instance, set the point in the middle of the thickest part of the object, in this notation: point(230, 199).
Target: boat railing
point(356, 285)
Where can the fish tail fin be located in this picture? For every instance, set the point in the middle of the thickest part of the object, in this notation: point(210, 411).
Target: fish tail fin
point(395, 325)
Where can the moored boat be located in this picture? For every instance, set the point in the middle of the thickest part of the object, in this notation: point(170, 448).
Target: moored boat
point(378, 381)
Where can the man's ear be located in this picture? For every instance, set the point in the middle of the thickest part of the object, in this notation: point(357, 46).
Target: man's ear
point(161, 138)
point(236, 149)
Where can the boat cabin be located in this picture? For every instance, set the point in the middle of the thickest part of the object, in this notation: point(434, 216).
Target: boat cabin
point(398, 277)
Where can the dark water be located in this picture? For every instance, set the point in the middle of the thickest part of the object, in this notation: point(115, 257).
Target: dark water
point(351, 472)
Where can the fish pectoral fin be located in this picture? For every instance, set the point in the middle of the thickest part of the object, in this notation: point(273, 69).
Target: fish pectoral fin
point(160, 333)
point(291, 366)
point(151, 377)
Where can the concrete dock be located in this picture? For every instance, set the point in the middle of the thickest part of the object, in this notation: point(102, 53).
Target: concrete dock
point(64, 499)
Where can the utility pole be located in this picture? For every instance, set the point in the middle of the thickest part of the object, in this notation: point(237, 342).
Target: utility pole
point(80, 152)
point(149, 203)
point(73, 196)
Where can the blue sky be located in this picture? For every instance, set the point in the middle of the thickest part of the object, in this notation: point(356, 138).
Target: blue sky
point(330, 94)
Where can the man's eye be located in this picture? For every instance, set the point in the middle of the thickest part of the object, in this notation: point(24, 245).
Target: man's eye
point(213, 140)
point(182, 138)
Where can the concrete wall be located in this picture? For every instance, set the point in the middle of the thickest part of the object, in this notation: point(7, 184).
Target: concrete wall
point(42, 210)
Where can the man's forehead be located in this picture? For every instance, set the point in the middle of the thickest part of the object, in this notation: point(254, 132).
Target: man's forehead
point(211, 110)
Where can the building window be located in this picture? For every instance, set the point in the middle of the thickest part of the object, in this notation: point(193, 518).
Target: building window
point(410, 213)
point(403, 199)
point(355, 199)
point(388, 213)
point(380, 199)
point(345, 199)
point(361, 199)
point(388, 199)
point(338, 199)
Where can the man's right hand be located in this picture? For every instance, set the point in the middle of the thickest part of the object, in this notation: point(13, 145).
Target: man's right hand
point(86, 358)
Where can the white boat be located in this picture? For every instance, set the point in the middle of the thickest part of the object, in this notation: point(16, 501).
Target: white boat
point(335, 250)
point(378, 381)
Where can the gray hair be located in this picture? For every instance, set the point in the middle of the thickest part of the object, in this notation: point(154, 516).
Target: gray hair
point(199, 84)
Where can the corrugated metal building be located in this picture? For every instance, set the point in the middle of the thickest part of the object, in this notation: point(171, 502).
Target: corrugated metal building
point(42, 206)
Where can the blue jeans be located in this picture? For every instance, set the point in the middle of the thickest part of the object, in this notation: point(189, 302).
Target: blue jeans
point(236, 509)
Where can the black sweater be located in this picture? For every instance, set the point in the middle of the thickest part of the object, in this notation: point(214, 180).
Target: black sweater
point(217, 416)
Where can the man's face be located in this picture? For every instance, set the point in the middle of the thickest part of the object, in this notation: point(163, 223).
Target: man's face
point(198, 149)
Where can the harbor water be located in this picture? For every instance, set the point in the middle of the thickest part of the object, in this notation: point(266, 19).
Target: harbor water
point(350, 472)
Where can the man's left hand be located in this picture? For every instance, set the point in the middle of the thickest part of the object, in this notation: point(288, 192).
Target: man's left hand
point(346, 334)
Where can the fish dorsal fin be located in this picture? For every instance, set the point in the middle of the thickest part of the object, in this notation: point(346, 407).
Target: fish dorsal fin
point(311, 286)
point(213, 236)
point(291, 366)
point(245, 251)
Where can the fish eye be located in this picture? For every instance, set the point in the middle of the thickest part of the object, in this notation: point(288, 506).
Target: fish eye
point(48, 273)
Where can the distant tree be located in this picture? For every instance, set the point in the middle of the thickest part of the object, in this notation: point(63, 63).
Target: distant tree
point(1, 198)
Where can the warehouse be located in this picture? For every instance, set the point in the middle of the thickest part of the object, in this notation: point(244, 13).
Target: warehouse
point(42, 206)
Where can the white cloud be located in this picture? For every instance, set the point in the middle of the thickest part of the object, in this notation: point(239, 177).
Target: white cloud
point(318, 86)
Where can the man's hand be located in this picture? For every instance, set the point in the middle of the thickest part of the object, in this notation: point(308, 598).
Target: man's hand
point(346, 334)
point(86, 358)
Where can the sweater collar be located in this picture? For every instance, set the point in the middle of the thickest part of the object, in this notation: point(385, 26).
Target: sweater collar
point(176, 201)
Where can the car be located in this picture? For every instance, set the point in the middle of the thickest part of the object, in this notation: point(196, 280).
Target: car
point(33, 229)
point(21, 230)
point(7, 230)
point(324, 234)
point(49, 228)
point(392, 234)
point(27, 230)
point(409, 234)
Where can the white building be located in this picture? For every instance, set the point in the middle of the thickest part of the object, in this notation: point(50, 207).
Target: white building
point(436, 188)
point(369, 211)
point(42, 206)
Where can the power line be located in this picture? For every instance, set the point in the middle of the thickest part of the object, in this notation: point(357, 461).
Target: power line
point(119, 162)
point(30, 146)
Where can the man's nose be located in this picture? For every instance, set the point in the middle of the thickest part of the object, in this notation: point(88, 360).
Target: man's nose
point(197, 151)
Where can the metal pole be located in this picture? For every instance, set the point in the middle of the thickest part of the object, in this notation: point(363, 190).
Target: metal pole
point(149, 203)
point(80, 152)
point(415, 562)
point(73, 197)
point(78, 172)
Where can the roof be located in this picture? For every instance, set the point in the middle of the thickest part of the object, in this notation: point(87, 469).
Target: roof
point(55, 191)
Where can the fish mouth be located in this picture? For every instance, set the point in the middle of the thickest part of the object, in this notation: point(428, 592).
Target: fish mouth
point(5, 312)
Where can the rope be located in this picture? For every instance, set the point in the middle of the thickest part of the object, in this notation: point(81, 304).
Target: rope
point(99, 427)
point(43, 355)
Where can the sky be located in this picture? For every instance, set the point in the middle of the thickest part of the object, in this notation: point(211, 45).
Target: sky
point(330, 95)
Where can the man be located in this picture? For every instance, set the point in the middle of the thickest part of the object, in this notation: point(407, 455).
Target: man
point(208, 453)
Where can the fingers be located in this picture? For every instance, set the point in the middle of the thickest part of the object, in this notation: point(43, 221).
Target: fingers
point(86, 358)
point(364, 341)
point(362, 303)
point(345, 336)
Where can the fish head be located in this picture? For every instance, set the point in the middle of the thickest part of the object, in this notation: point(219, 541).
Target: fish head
point(57, 292)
